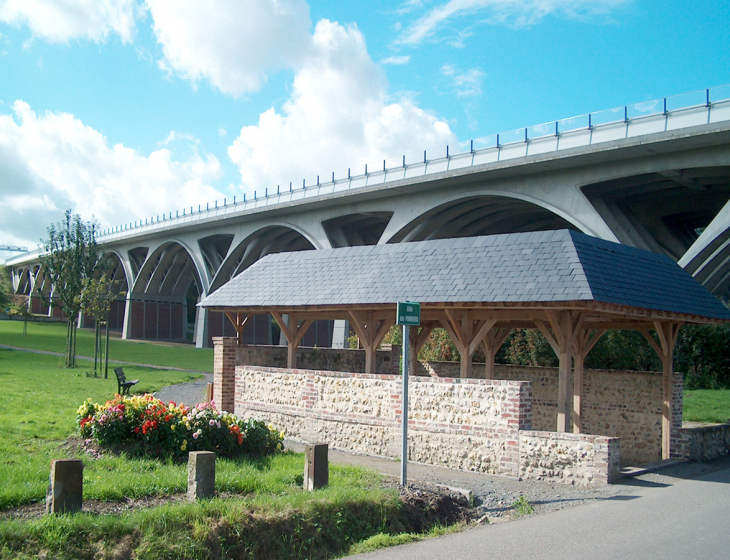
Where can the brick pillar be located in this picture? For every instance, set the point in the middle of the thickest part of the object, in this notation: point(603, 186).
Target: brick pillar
point(224, 372)
point(516, 416)
point(677, 439)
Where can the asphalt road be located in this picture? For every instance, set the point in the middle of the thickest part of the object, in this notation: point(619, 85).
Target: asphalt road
point(661, 517)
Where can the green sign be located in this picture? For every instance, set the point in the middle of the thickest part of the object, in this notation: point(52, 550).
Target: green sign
point(409, 314)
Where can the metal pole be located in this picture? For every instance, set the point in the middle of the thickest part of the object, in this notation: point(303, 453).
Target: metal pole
point(404, 409)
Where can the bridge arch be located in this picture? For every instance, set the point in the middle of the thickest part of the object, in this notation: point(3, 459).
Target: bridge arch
point(467, 215)
point(161, 294)
point(664, 208)
point(274, 238)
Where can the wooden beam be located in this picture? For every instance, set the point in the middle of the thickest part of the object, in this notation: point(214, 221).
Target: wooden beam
point(548, 336)
point(239, 321)
point(370, 334)
point(283, 325)
point(652, 342)
point(491, 344)
point(667, 333)
point(417, 340)
point(356, 324)
point(482, 331)
point(467, 329)
point(582, 345)
point(383, 329)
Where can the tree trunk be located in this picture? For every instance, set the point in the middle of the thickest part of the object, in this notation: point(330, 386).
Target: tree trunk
point(97, 342)
point(106, 352)
point(69, 340)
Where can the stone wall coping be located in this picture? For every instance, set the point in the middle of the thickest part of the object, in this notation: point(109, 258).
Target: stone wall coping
point(386, 377)
point(554, 369)
point(704, 428)
point(567, 436)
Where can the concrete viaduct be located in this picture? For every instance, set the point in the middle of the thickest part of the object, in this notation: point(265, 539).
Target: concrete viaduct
point(655, 175)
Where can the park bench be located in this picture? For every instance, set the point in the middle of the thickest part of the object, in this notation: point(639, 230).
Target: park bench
point(123, 384)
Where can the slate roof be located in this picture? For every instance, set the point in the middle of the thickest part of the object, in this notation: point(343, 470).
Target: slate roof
point(548, 266)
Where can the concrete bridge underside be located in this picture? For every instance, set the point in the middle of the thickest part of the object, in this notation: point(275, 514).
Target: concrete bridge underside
point(665, 192)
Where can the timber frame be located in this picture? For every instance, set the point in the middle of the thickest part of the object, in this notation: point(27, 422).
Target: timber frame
point(570, 286)
point(571, 328)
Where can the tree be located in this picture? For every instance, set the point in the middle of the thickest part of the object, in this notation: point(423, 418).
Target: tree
point(96, 301)
point(70, 256)
point(5, 289)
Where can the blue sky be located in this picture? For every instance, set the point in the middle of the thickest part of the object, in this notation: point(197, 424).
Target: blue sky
point(124, 109)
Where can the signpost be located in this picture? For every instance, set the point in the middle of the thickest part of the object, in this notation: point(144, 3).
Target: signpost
point(408, 315)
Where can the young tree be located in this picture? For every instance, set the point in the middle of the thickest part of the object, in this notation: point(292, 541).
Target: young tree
point(70, 256)
point(96, 301)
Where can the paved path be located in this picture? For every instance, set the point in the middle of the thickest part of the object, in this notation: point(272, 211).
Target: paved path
point(91, 358)
point(664, 517)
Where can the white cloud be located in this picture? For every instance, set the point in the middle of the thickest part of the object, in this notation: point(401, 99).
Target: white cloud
point(231, 43)
point(338, 115)
point(513, 12)
point(466, 84)
point(397, 60)
point(59, 21)
point(52, 162)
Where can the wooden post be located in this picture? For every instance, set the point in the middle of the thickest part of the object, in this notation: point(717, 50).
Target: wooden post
point(371, 333)
point(562, 339)
point(584, 343)
point(667, 334)
point(466, 335)
point(417, 340)
point(293, 333)
point(239, 321)
point(316, 466)
point(491, 345)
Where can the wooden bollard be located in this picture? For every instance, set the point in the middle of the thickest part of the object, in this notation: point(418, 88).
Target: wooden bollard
point(201, 475)
point(316, 466)
point(66, 488)
point(209, 393)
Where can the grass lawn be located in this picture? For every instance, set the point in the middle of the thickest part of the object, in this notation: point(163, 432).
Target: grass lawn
point(271, 517)
point(52, 337)
point(707, 405)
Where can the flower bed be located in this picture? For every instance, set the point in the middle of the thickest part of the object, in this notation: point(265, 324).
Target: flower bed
point(145, 425)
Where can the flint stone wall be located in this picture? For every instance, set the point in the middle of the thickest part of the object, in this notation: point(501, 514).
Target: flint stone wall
point(471, 424)
point(704, 442)
point(569, 458)
point(464, 424)
point(320, 359)
point(616, 403)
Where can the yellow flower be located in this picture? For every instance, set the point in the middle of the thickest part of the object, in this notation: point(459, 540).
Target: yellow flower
point(184, 445)
point(172, 427)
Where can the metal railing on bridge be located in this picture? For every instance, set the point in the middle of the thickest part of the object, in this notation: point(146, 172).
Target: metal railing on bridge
point(658, 115)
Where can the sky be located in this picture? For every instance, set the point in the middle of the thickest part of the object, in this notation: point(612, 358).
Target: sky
point(121, 110)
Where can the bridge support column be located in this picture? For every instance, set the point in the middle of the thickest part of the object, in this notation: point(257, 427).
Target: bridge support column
point(127, 323)
point(200, 333)
point(340, 333)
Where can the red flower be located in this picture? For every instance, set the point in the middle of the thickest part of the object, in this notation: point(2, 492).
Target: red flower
point(136, 430)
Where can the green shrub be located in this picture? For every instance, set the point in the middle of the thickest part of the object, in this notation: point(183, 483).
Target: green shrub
point(144, 425)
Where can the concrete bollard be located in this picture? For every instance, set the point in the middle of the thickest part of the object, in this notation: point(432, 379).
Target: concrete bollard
point(66, 488)
point(201, 475)
point(316, 466)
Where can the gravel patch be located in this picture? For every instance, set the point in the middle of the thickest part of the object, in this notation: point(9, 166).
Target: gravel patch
point(493, 495)
point(190, 393)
